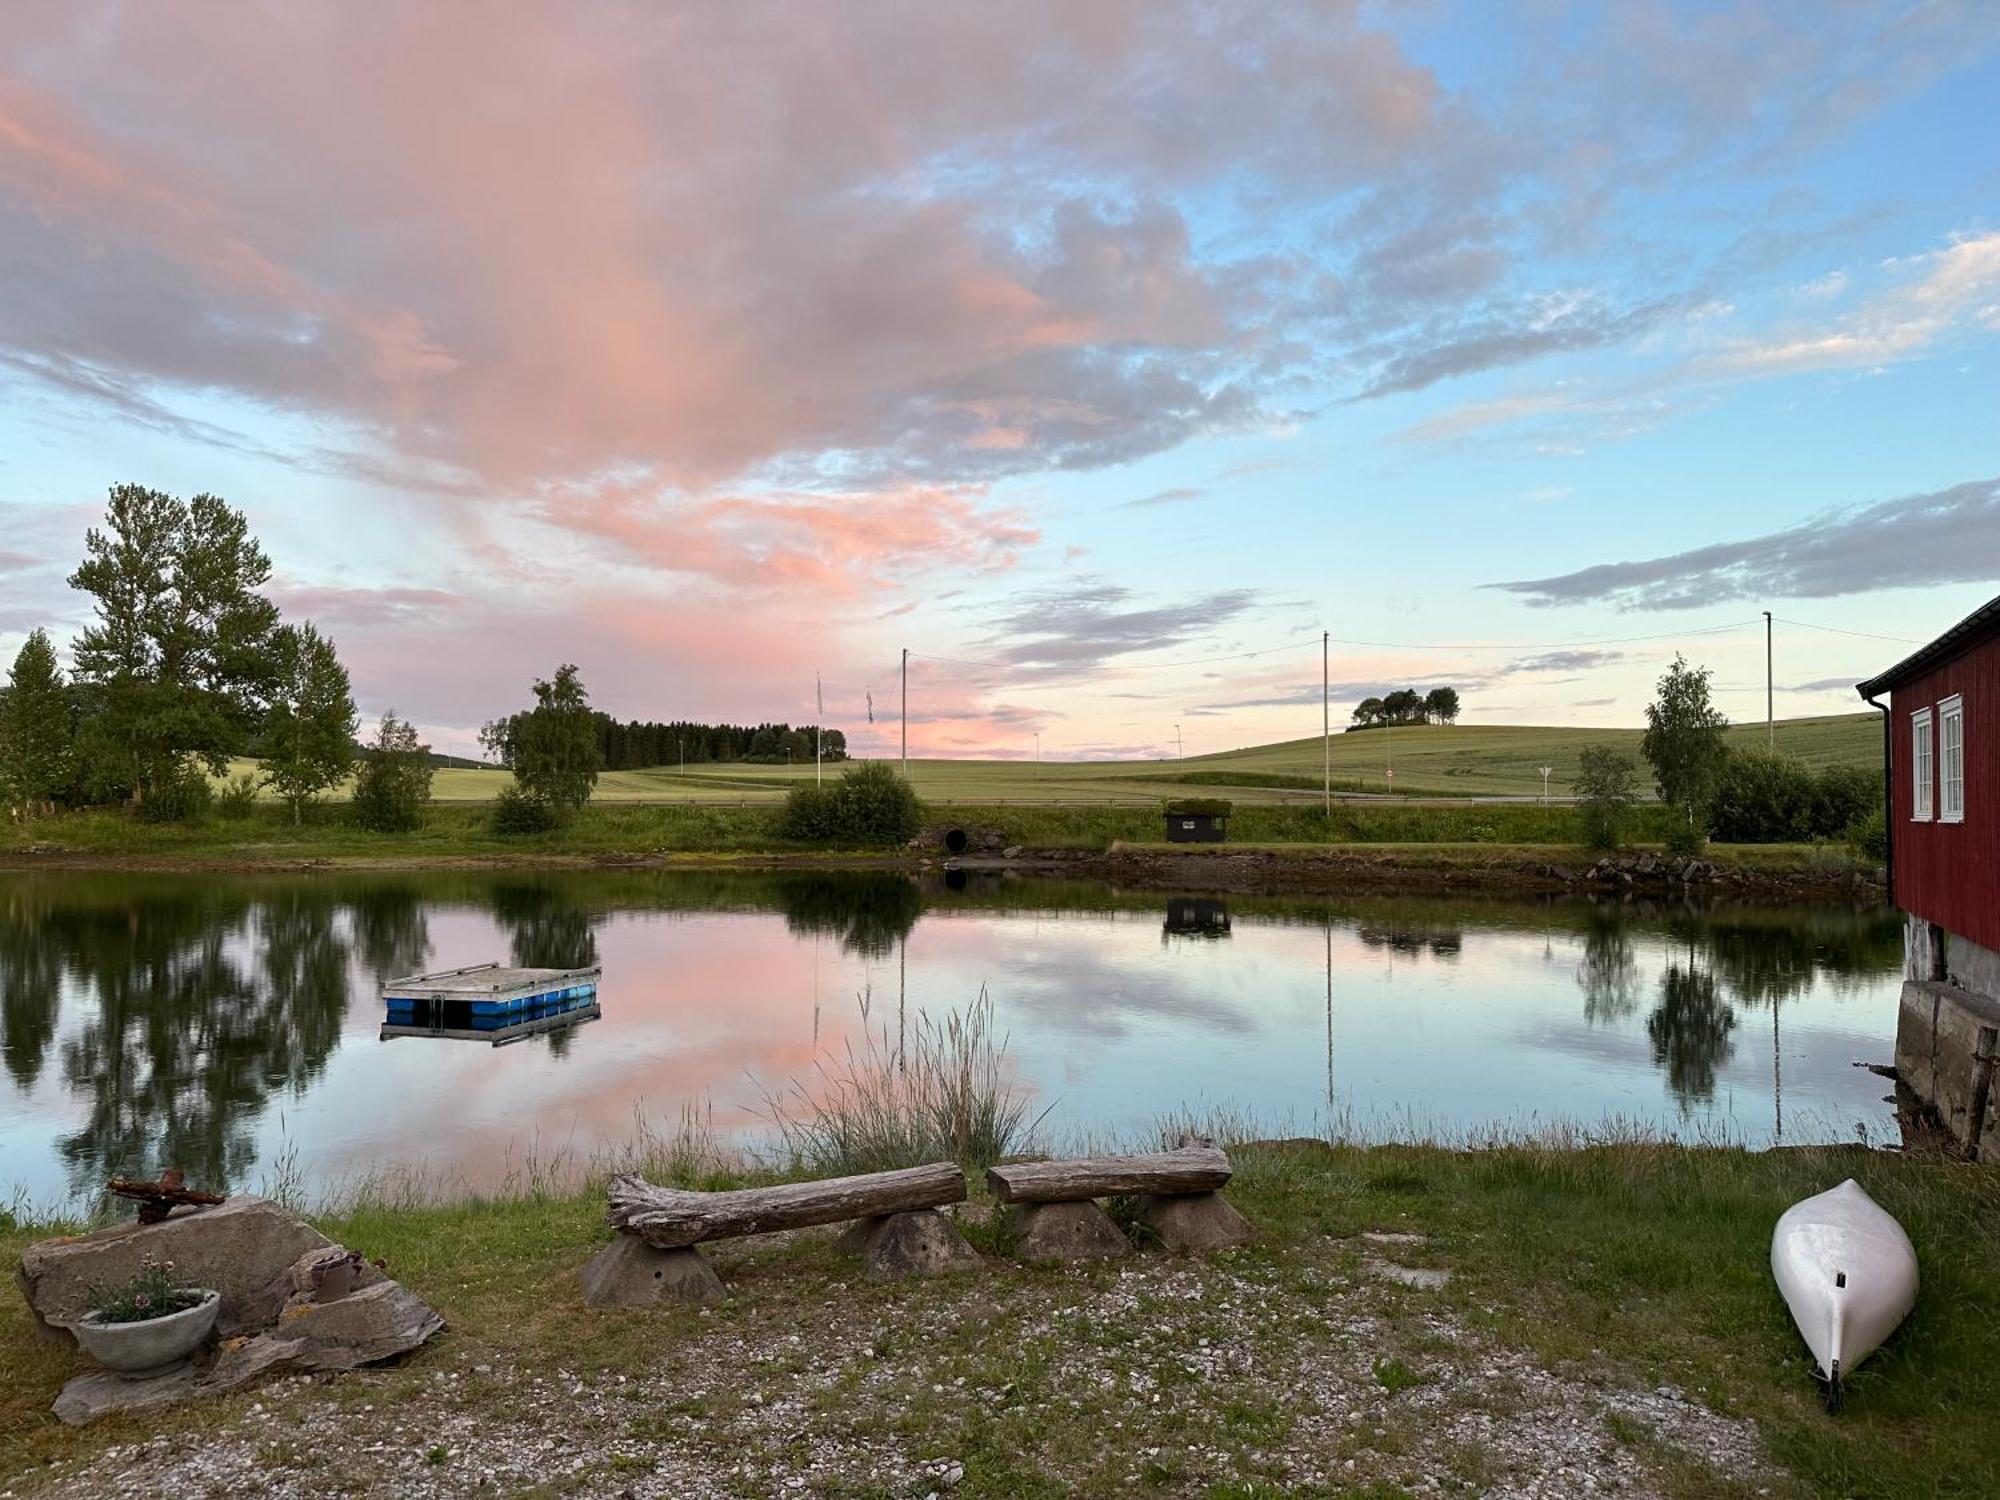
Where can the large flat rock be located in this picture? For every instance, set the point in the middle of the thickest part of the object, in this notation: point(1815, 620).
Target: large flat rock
point(244, 1248)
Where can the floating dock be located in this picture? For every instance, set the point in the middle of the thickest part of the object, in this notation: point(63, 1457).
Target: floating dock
point(489, 1003)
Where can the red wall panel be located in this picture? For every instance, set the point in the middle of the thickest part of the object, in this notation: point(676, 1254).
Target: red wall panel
point(1949, 873)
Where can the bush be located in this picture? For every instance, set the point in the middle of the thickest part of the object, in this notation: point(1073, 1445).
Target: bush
point(1870, 836)
point(870, 804)
point(1682, 839)
point(1763, 798)
point(1845, 797)
point(238, 800)
point(516, 811)
point(185, 797)
point(1607, 784)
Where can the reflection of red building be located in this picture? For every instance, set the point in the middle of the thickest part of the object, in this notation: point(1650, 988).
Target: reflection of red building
point(1943, 763)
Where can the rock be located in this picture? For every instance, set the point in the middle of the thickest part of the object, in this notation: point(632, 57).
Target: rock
point(1196, 1223)
point(1416, 1276)
point(1012, 851)
point(244, 1248)
point(1391, 1237)
point(98, 1393)
point(628, 1272)
point(376, 1323)
point(1068, 1231)
point(923, 1243)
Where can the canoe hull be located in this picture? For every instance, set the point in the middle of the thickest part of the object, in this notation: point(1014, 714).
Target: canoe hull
point(1847, 1272)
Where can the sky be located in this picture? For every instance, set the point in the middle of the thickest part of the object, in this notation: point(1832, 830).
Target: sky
point(1102, 356)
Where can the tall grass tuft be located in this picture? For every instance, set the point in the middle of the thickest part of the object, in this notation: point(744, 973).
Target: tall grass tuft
point(946, 1095)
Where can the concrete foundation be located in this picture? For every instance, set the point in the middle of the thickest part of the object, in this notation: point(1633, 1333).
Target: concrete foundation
point(1946, 1041)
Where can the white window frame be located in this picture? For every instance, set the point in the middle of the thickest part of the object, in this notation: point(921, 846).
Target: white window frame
point(1951, 744)
point(1923, 767)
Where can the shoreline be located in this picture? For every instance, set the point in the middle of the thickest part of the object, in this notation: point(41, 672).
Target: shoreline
point(1754, 872)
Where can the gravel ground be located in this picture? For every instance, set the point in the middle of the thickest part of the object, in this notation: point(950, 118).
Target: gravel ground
point(1155, 1377)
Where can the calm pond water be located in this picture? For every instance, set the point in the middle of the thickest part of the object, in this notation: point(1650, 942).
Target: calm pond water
point(223, 1024)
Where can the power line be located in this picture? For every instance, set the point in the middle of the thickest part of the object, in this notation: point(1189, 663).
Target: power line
point(1866, 635)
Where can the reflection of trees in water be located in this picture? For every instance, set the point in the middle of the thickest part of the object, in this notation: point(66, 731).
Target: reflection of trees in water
point(550, 927)
point(1412, 938)
point(868, 911)
point(186, 1042)
point(1690, 1031)
point(392, 935)
point(1608, 972)
point(30, 983)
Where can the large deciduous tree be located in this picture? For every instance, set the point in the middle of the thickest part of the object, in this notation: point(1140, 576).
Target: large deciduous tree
point(552, 747)
point(37, 734)
point(309, 729)
point(1441, 705)
point(1684, 744)
point(178, 665)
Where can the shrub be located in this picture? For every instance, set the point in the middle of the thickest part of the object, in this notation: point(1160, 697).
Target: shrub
point(1763, 798)
point(1682, 838)
point(238, 800)
point(516, 811)
point(394, 781)
point(1844, 797)
point(870, 804)
point(1870, 835)
point(180, 798)
point(1607, 783)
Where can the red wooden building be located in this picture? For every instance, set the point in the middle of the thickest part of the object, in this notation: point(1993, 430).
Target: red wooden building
point(1942, 727)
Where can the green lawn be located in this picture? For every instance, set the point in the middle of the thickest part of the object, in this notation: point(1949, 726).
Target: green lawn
point(1429, 760)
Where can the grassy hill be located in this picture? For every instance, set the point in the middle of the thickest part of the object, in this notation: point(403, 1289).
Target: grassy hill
point(1428, 760)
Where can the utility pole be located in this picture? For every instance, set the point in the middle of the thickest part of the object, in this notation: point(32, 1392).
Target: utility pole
point(1326, 768)
point(1770, 714)
point(906, 713)
point(1180, 750)
point(819, 715)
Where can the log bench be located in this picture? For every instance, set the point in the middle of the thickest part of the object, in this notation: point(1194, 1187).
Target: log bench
point(897, 1230)
point(1179, 1193)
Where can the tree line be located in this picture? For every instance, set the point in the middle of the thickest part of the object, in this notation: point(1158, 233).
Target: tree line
point(186, 662)
point(1407, 706)
point(634, 745)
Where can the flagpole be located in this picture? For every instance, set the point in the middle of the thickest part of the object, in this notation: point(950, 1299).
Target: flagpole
point(819, 719)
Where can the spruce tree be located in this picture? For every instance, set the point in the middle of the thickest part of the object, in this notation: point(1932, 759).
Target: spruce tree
point(37, 736)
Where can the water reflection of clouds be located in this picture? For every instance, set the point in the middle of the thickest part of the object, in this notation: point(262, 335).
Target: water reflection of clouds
point(214, 1023)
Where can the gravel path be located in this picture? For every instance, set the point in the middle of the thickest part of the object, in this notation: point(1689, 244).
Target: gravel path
point(1158, 1377)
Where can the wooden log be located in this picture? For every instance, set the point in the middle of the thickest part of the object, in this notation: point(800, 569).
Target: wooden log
point(1191, 1169)
point(669, 1218)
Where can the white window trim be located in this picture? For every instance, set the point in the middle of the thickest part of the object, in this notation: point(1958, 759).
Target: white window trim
point(1951, 710)
point(1923, 792)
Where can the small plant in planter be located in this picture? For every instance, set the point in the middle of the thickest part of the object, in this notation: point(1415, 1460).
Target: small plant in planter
point(148, 1325)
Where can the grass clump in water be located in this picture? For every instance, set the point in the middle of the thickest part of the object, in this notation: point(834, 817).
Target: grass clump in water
point(946, 1095)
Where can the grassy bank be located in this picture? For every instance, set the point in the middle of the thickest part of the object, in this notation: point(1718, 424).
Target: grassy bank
point(630, 830)
point(1582, 1282)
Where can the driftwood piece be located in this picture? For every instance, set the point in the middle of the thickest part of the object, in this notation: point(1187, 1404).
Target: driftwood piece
point(156, 1200)
point(1198, 1168)
point(669, 1218)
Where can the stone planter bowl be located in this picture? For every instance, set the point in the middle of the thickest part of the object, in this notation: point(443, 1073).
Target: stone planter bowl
point(151, 1346)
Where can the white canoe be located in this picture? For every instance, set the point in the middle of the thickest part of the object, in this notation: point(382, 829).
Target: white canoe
point(1847, 1272)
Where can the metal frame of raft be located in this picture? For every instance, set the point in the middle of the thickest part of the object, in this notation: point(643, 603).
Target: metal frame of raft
point(489, 1002)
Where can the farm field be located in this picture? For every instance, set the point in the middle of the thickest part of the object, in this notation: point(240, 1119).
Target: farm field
point(1427, 760)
